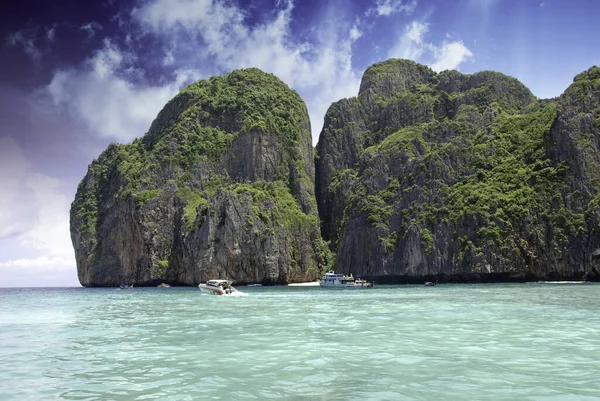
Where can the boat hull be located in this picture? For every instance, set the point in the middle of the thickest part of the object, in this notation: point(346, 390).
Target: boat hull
point(344, 286)
point(209, 290)
point(333, 280)
point(218, 287)
point(351, 285)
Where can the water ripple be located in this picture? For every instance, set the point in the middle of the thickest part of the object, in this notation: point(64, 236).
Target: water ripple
point(392, 342)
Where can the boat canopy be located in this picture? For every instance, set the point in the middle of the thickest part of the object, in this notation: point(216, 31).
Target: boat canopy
point(216, 283)
point(334, 275)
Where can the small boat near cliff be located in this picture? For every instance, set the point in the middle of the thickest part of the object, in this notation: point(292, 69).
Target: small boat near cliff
point(219, 287)
point(336, 280)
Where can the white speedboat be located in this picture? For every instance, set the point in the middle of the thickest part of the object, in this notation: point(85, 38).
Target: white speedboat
point(218, 287)
point(362, 283)
point(337, 280)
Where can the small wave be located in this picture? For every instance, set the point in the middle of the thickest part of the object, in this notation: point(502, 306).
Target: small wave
point(236, 294)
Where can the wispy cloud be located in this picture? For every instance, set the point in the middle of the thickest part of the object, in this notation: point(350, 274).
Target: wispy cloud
point(91, 28)
point(355, 32)
point(98, 95)
point(35, 41)
point(483, 3)
point(445, 56)
point(411, 45)
point(51, 33)
point(26, 39)
point(389, 7)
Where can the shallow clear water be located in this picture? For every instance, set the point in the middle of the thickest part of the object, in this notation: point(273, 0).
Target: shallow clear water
point(500, 341)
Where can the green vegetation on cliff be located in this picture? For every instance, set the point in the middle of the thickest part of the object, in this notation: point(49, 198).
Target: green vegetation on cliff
point(220, 108)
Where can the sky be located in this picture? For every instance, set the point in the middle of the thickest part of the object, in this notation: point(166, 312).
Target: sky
point(77, 75)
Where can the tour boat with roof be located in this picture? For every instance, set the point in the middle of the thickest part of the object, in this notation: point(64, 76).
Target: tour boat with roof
point(336, 280)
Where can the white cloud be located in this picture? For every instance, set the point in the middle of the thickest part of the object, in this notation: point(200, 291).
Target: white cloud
point(99, 96)
point(34, 219)
point(450, 56)
point(355, 32)
point(14, 214)
point(389, 7)
point(412, 45)
point(50, 233)
point(207, 16)
point(416, 30)
point(322, 71)
point(40, 263)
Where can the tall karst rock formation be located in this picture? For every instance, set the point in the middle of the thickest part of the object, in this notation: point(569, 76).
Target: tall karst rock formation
point(461, 177)
point(221, 186)
point(422, 175)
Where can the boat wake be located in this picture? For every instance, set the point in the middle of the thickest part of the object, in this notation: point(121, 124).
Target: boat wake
point(236, 293)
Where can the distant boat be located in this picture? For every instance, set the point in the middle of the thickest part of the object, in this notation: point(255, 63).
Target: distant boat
point(337, 280)
point(163, 285)
point(362, 283)
point(126, 287)
point(430, 283)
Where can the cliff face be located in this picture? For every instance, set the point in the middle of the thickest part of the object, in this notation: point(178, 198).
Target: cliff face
point(421, 176)
point(221, 186)
point(461, 177)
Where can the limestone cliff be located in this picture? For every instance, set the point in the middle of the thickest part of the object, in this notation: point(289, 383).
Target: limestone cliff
point(221, 186)
point(421, 176)
point(461, 177)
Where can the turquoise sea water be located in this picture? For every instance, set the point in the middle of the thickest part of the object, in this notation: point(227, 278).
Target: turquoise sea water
point(469, 342)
